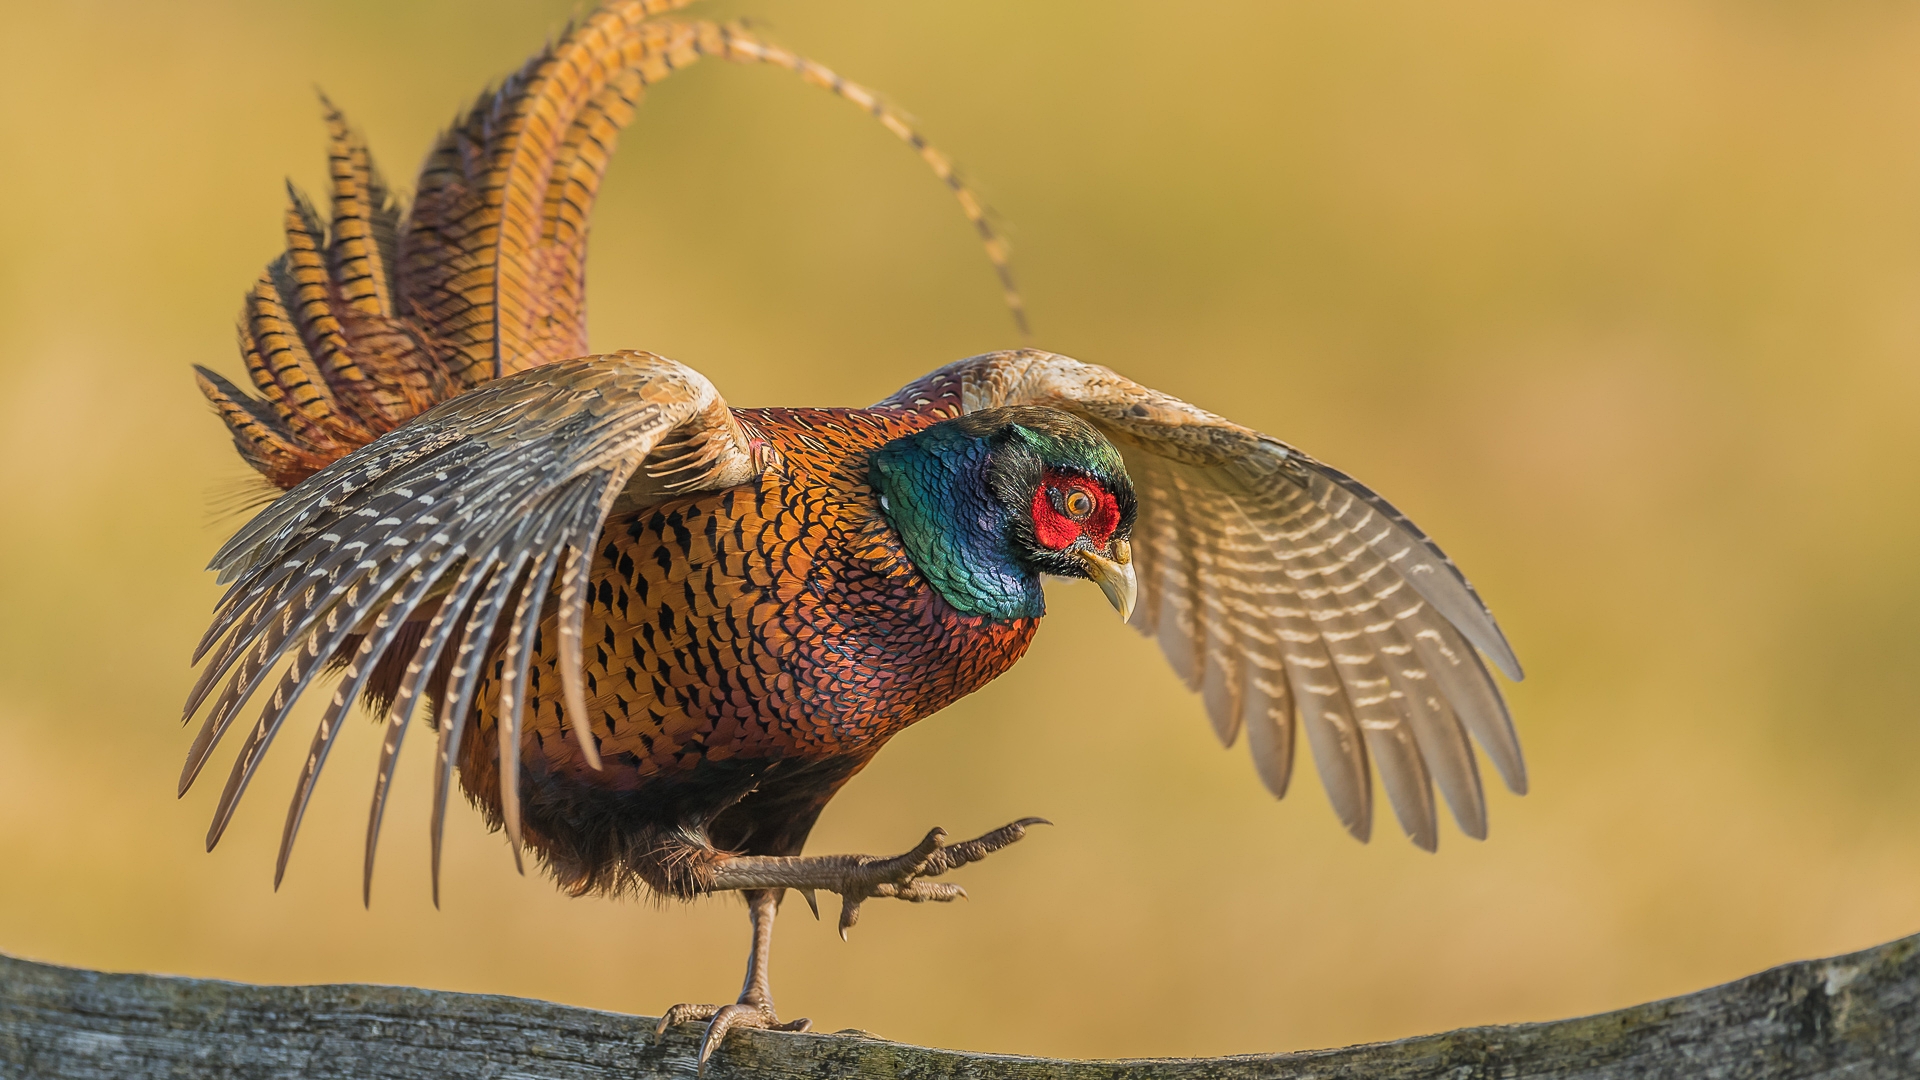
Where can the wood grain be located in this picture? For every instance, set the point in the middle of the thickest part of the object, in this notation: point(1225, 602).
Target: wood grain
point(1855, 1016)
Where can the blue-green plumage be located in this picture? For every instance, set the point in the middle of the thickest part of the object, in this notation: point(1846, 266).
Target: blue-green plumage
point(959, 494)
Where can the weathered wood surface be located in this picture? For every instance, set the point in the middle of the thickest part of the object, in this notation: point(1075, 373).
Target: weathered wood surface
point(1854, 1016)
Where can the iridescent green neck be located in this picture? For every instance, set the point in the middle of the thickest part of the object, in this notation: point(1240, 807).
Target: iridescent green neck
point(937, 490)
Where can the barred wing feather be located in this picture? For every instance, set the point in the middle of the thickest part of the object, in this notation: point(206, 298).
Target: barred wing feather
point(465, 515)
point(1280, 588)
point(430, 482)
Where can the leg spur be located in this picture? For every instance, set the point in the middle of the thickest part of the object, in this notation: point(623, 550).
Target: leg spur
point(858, 878)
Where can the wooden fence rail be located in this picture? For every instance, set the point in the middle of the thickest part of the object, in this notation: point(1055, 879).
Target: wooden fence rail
point(1856, 1017)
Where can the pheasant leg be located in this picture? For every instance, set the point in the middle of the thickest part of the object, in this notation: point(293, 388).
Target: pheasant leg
point(857, 878)
point(763, 879)
point(755, 1007)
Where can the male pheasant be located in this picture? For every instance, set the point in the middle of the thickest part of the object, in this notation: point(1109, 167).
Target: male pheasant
point(679, 628)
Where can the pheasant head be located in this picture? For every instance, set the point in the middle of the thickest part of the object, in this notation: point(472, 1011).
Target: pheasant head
point(988, 502)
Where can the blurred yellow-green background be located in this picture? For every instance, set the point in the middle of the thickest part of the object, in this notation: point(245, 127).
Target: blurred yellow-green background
point(1620, 300)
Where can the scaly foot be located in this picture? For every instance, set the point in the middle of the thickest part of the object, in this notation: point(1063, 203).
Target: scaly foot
point(724, 1018)
point(903, 877)
point(858, 878)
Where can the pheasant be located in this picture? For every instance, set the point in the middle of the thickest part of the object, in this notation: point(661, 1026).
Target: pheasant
point(658, 634)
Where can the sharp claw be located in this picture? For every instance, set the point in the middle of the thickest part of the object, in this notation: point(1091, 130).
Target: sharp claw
point(936, 839)
point(902, 876)
point(951, 856)
point(708, 1043)
point(728, 1017)
point(849, 913)
point(681, 1014)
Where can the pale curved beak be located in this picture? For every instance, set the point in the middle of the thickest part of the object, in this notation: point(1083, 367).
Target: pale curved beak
point(1114, 576)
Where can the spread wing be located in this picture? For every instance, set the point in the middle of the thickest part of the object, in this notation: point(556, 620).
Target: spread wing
point(430, 506)
point(1278, 586)
point(384, 310)
point(464, 519)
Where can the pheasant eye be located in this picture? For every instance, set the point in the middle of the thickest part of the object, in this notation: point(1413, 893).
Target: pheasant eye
point(1078, 504)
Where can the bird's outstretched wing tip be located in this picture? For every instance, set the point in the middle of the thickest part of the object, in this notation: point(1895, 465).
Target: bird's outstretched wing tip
point(1250, 552)
point(1508, 663)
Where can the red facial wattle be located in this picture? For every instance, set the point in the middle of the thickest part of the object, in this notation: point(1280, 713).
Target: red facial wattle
point(1058, 530)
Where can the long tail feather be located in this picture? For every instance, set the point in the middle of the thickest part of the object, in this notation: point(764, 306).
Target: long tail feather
point(740, 45)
